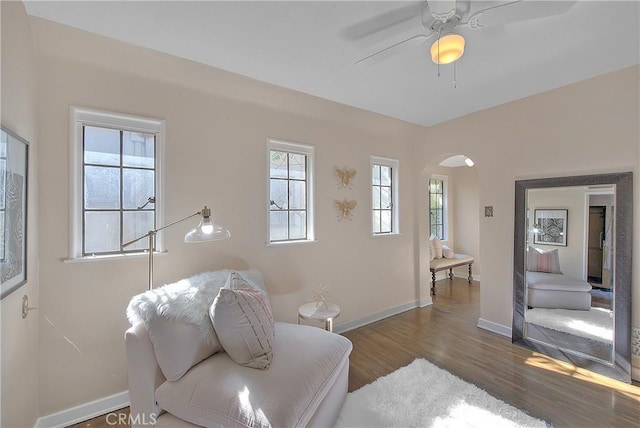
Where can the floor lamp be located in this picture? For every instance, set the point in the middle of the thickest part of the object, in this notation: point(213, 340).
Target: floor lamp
point(206, 230)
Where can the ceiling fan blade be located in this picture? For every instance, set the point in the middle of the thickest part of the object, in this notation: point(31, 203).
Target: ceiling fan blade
point(519, 10)
point(394, 49)
point(382, 22)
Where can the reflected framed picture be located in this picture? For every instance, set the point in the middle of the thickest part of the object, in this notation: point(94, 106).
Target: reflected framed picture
point(550, 227)
point(14, 157)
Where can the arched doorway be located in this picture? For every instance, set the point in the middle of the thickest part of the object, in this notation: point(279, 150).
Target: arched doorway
point(458, 222)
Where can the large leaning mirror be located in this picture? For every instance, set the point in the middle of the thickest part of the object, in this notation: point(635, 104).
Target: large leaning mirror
point(572, 270)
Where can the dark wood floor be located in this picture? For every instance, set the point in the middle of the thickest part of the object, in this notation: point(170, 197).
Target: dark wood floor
point(446, 334)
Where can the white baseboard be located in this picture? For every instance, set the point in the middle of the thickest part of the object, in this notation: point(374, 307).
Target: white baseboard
point(426, 302)
point(493, 327)
point(85, 411)
point(351, 325)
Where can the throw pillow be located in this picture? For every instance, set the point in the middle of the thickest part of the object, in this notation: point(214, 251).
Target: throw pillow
point(243, 327)
point(238, 281)
point(432, 253)
point(539, 260)
point(447, 252)
point(436, 247)
point(243, 321)
point(178, 346)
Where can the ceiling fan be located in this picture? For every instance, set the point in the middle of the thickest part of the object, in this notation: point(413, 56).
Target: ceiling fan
point(443, 20)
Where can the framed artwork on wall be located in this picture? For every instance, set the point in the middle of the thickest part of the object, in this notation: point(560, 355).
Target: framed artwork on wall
point(550, 227)
point(14, 157)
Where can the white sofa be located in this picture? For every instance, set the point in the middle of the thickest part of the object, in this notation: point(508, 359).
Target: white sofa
point(305, 385)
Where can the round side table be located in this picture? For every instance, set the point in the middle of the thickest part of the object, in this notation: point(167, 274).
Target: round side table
point(313, 311)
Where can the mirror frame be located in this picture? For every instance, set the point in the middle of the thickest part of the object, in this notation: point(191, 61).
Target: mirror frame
point(620, 367)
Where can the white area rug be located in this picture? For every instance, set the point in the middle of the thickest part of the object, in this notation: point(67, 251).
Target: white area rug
point(424, 395)
point(595, 324)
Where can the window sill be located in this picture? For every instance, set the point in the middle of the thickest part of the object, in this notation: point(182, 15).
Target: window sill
point(376, 235)
point(86, 259)
point(285, 243)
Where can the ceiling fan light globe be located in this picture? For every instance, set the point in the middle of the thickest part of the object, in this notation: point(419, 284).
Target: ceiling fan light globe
point(450, 49)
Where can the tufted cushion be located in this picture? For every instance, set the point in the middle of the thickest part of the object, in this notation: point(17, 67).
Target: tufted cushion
point(242, 318)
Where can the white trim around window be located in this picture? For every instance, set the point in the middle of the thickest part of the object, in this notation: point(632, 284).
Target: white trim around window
point(394, 164)
point(79, 117)
point(291, 148)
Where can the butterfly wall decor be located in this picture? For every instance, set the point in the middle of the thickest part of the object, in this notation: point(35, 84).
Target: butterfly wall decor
point(345, 176)
point(344, 208)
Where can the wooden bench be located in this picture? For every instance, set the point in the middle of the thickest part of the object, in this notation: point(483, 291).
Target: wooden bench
point(442, 264)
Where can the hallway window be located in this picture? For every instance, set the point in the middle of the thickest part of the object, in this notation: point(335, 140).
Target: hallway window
point(438, 206)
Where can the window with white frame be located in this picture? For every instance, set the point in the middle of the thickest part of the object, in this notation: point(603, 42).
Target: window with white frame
point(384, 200)
point(438, 206)
point(290, 192)
point(116, 182)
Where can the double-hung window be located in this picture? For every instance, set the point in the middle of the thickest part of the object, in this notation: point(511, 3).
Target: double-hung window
point(290, 192)
point(384, 186)
point(438, 206)
point(115, 182)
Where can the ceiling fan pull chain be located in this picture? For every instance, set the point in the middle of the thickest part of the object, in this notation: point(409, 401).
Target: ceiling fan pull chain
point(439, 35)
point(455, 82)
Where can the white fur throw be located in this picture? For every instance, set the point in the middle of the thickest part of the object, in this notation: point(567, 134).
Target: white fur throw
point(187, 300)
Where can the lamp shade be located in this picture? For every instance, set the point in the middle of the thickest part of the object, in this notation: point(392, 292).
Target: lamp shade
point(206, 230)
point(447, 49)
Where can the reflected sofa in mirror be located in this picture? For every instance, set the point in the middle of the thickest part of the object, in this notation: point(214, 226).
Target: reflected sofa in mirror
point(572, 270)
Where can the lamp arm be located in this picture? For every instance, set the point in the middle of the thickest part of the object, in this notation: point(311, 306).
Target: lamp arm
point(177, 221)
point(155, 231)
point(126, 244)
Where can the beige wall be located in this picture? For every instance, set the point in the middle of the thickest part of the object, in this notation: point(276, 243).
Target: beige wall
point(19, 337)
point(466, 220)
point(585, 128)
point(215, 154)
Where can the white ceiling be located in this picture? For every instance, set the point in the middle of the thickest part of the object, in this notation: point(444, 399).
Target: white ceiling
point(310, 47)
